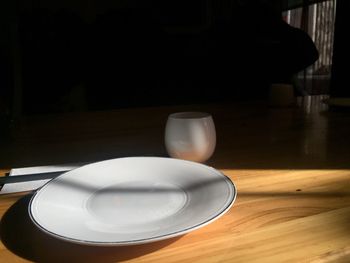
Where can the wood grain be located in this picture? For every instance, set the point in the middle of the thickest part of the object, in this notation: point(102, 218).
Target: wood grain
point(291, 168)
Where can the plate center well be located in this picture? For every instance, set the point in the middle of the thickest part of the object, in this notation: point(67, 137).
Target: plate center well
point(135, 203)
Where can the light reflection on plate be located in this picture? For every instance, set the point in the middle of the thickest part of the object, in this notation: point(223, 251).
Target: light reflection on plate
point(131, 201)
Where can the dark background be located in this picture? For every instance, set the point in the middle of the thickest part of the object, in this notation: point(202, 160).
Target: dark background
point(63, 56)
point(341, 53)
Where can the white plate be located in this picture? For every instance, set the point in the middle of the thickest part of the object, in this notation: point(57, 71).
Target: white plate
point(131, 201)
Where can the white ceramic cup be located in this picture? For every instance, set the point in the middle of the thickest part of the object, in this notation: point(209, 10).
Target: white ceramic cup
point(190, 136)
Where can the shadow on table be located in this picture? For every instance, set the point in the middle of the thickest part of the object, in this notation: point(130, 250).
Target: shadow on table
point(21, 236)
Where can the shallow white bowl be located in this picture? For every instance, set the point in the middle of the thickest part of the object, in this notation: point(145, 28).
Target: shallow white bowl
point(131, 201)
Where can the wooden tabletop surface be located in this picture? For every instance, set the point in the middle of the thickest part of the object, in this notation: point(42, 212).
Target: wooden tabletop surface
point(291, 167)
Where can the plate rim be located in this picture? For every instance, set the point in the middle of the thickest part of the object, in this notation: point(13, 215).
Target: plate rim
point(230, 202)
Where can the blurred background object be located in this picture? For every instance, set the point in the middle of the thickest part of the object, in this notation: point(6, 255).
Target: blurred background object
point(317, 18)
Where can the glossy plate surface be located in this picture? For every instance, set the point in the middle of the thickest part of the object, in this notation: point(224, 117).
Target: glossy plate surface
point(131, 201)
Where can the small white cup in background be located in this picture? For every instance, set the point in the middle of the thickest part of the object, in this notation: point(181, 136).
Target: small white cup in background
point(281, 94)
point(190, 136)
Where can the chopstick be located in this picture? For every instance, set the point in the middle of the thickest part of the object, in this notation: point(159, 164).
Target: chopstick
point(28, 177)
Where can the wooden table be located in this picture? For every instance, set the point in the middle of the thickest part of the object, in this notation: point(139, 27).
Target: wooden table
point(291, 167)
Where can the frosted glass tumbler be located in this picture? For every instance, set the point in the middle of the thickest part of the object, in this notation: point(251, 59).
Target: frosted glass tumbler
point(190, 136)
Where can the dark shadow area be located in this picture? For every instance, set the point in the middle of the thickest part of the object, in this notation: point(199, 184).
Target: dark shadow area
point(66, 59)
point(22, 237)
point(131, 53)
point(341, 53)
